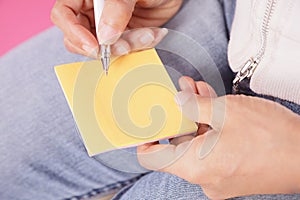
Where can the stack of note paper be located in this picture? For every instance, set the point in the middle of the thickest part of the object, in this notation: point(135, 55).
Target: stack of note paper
point(133, 105)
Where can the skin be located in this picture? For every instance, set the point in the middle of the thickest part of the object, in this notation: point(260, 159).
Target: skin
point(76, 20)
point(257, 151)
point(257, 155)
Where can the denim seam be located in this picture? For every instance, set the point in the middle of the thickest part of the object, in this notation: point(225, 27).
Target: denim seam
point(105, 190)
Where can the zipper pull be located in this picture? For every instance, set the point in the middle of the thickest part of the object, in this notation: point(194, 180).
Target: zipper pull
point(246, 72)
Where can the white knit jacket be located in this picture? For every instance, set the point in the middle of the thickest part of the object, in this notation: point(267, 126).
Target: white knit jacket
point(278, 73)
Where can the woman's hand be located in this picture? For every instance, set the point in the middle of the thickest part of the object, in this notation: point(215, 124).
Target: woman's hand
point(76, 20)
point(253, 146)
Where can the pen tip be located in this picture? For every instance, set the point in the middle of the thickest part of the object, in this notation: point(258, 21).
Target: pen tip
point(105, 57)
point(105, 64)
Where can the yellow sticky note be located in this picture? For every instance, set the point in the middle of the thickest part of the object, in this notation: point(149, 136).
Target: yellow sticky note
point(133, 105)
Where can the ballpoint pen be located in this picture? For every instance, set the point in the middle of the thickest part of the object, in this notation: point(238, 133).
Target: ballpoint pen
point(104, 48)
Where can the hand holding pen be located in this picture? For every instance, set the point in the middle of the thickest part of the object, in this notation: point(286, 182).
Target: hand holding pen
point(77, 21)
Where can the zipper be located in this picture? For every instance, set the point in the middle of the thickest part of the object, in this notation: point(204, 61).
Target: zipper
point(248, 69)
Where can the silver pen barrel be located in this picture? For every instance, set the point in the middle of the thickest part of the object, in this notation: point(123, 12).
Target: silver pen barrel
point(105, 57)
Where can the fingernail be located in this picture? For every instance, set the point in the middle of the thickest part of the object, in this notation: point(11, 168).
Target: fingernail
point(182, 97)
point(121, 50)
point(164, 31)
point(107, 34)
point(146, 38)
point(90, 50)
point(186, 85)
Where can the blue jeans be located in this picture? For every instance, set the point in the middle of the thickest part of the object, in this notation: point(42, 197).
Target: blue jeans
point(42, 155)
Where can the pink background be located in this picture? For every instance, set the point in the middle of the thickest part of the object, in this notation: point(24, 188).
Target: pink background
point(22, 19)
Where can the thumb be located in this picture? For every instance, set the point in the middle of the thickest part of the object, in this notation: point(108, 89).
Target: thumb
point(114, 19)
point(162, 157)
point(199, 109)
point(156, 156)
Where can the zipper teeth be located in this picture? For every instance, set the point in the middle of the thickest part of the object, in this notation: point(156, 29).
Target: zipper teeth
point(248, 68)
point(266, 27)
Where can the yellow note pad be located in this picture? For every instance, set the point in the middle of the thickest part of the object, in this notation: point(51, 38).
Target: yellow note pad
point(133, 105)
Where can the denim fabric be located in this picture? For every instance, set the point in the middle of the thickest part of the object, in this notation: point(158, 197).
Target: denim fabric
point(42, 155)
point(244, 88)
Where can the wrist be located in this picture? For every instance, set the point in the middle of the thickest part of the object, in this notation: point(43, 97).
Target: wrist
point(296, 132)
point(292, 158)
point(284, 173)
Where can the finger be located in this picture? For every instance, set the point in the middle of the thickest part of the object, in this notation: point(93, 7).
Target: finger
point(205, 110)
point(187, 84)
point(194, 160)
point(86, 21)
point(114, 19)
point(156, 156)
point(196, 108)
point(205, 89)
point(64, 15)
point(181, 160)
point(74, 49)
point(159, 157)
point(178, 140)
point(186, 162)
point(191, 160)
point(120, 48)
point(202, 88)
point(139, 39)
point(159, 34)
point(144, 38)
point(152, 3)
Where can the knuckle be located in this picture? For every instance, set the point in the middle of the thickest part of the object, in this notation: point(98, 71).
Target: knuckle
point(189, 175)
point(213, 192)
point(54, 14)
point(213, 195)
point(225, 169)
point(124, 5)
point(68, 46)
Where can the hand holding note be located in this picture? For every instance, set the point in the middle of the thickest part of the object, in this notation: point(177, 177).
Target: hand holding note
point(244, 153)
